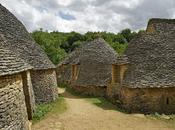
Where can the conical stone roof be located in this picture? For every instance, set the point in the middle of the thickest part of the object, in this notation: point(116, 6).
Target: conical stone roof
point(10, 63)
point(95, 59)
point(19, 40)
point(96, 51)
point(152, 60)
point(73, 57)
point(158, 25)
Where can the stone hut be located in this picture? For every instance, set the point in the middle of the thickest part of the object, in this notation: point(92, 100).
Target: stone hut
point(90, 67)
point(15, 92)
point(18, 40)
point(63, 73)
point(64, 68)
point(148, 84)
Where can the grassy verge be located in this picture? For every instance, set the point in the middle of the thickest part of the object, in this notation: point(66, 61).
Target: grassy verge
point(57, 107)
point(98, 101)
point(103, 103)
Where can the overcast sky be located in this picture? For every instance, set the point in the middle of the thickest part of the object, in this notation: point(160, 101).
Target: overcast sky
point(89, 15)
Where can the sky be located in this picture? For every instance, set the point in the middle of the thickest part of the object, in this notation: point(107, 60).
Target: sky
point(89, 15)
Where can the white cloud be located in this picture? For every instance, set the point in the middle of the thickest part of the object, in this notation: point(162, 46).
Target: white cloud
point(64, 2)
point(126, 3)
point(89, 15)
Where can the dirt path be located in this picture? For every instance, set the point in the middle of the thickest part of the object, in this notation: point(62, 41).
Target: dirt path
point(82, 115)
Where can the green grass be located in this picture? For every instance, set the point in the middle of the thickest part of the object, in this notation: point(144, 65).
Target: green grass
point(57, 107)
point(98, 101)
point(103, 103)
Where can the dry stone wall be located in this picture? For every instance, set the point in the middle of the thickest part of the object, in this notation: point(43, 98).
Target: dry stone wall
point(148, 100)
point(63, 73)
point(44, 85)
point(13, 114)
point(90, 90)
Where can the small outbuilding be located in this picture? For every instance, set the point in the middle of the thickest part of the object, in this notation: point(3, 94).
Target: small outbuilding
point(148, 83)
point(89, 67)
point(16, 99)
point(18, 40)
point(64, 68)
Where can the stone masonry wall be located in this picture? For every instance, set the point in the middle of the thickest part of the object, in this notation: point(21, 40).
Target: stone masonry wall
point(13, 114)
point(90, 90)
point(114, 88)
point(141, 100)
point(44, 85)
point(150, 100)
point(63, 73)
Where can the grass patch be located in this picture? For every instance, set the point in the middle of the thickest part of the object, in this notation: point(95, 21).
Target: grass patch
point(42, 110)
point(98, 101)
point(103, 103)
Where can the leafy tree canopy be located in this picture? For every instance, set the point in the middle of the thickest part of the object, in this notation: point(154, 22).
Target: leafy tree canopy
point(58, 44)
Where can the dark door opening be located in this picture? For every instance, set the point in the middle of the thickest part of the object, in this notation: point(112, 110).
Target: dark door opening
point(167, 101)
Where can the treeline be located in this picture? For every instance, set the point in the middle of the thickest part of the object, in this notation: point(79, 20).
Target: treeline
point(58, 44)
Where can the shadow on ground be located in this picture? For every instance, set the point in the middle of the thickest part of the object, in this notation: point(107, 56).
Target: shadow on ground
point(98, 101)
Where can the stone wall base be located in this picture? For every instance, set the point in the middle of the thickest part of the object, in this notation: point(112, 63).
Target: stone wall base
point(44, 85)
point(146, 100)
point(90, 90)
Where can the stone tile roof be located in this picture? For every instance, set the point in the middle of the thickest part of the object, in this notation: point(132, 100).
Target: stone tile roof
point(19, 40)
point(152, 61)
point(158, 25)
point(95, 59)
point(10, 63)
point(96, 51)
point(73, 57)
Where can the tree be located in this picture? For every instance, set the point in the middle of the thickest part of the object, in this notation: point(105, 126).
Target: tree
point(128, 34)
point(58, 44)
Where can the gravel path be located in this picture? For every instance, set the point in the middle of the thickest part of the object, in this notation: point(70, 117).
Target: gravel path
point(82, 115)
